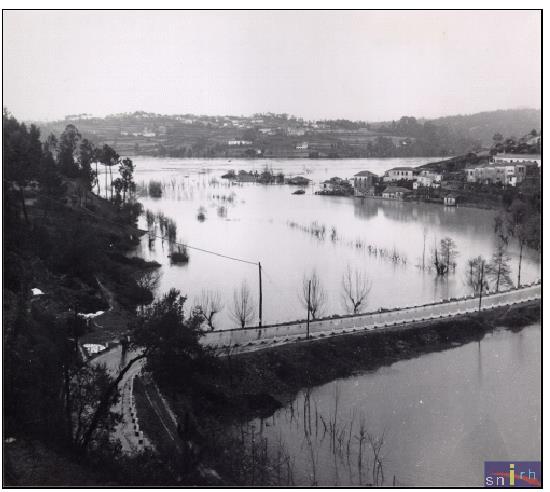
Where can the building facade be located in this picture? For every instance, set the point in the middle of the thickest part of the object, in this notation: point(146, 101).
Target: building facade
point(363, 183)
point(399, 173)
point(503, 172)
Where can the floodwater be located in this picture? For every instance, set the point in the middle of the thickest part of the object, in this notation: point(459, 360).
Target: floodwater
point(446, 413)
point(268, 224)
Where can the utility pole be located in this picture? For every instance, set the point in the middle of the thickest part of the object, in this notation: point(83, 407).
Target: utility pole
point(308, 307)
point(260, 309)
point(481, 284)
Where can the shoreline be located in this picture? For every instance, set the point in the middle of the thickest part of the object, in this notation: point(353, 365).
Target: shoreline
point(248, 385)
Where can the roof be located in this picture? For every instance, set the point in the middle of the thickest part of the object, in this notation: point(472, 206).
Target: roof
point(493, 165)
point(364, 173)
point(484, 153)
point(396, 189)
point(518, 156)
point(401, 168)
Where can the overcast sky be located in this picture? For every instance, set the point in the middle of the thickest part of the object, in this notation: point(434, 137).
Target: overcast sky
point(356, 65)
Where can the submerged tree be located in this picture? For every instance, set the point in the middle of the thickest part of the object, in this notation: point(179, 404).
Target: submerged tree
point(243, 309)
point(312, 294)
point(126, 170)
point(499, 268)
point(356, 287)
point(444, 257)
point(476, 274)
point(516, 223)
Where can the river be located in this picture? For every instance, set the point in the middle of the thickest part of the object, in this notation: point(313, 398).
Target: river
point(441, 416)
point(267, 223)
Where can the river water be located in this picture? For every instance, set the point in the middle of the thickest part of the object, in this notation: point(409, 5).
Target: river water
point(267, 223)
point(441, 415)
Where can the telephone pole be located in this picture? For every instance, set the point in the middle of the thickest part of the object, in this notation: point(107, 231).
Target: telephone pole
point(308, 307)
point(260, 309)
point(481, 284)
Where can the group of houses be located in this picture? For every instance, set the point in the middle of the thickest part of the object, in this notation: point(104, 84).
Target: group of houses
point(500, 169)
point(504, 169)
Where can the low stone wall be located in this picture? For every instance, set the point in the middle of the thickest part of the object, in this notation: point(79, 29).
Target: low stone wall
point(283, 332)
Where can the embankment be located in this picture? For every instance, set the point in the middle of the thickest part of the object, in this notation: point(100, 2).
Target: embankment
point(256, 383)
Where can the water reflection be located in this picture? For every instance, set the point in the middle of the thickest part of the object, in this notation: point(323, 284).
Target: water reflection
point(435, 418)
point(251, 221)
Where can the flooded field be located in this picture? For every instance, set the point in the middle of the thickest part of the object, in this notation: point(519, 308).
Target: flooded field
point(292, 235)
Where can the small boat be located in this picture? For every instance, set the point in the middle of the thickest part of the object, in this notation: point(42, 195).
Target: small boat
point(299, 192)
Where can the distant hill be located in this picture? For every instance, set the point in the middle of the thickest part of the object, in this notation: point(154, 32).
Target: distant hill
point(482, 126)
point(281, 135)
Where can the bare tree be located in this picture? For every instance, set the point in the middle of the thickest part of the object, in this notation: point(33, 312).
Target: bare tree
point(356, 287)
point(209, 304)
point(499, 268)
point(243, 309)
point(312, 295)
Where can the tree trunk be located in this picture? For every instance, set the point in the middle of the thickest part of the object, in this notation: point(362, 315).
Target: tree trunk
point(68, 406)
point(111, 180)
point(520, 258)
point(97, 180)
point(23, 205)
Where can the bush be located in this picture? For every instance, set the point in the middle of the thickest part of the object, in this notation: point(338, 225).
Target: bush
point(155, 189)
point(180, 256)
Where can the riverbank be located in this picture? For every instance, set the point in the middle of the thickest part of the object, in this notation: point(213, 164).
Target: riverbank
point(220, 399)
point(251, 384)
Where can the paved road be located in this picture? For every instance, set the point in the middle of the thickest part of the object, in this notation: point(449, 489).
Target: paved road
point(251, 339)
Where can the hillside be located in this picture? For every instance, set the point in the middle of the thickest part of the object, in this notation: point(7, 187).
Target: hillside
point(482, 126)
point(283, 135)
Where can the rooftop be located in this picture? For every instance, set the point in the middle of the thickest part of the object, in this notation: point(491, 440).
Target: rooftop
point(365, 173)
point(518, 156)
point(402, 168)
point(396, 189)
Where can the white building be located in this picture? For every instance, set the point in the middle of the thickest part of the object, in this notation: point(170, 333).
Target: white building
point(423, 181)
point(395, 192)
point(517, 158)
point(302, 146)
point(504, 172)
point(239, 142)
point(435, 176)
point(399, 173)
point(294, 131)
point(449, 200)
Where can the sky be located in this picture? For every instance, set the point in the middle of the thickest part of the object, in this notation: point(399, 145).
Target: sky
point(359, 65)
